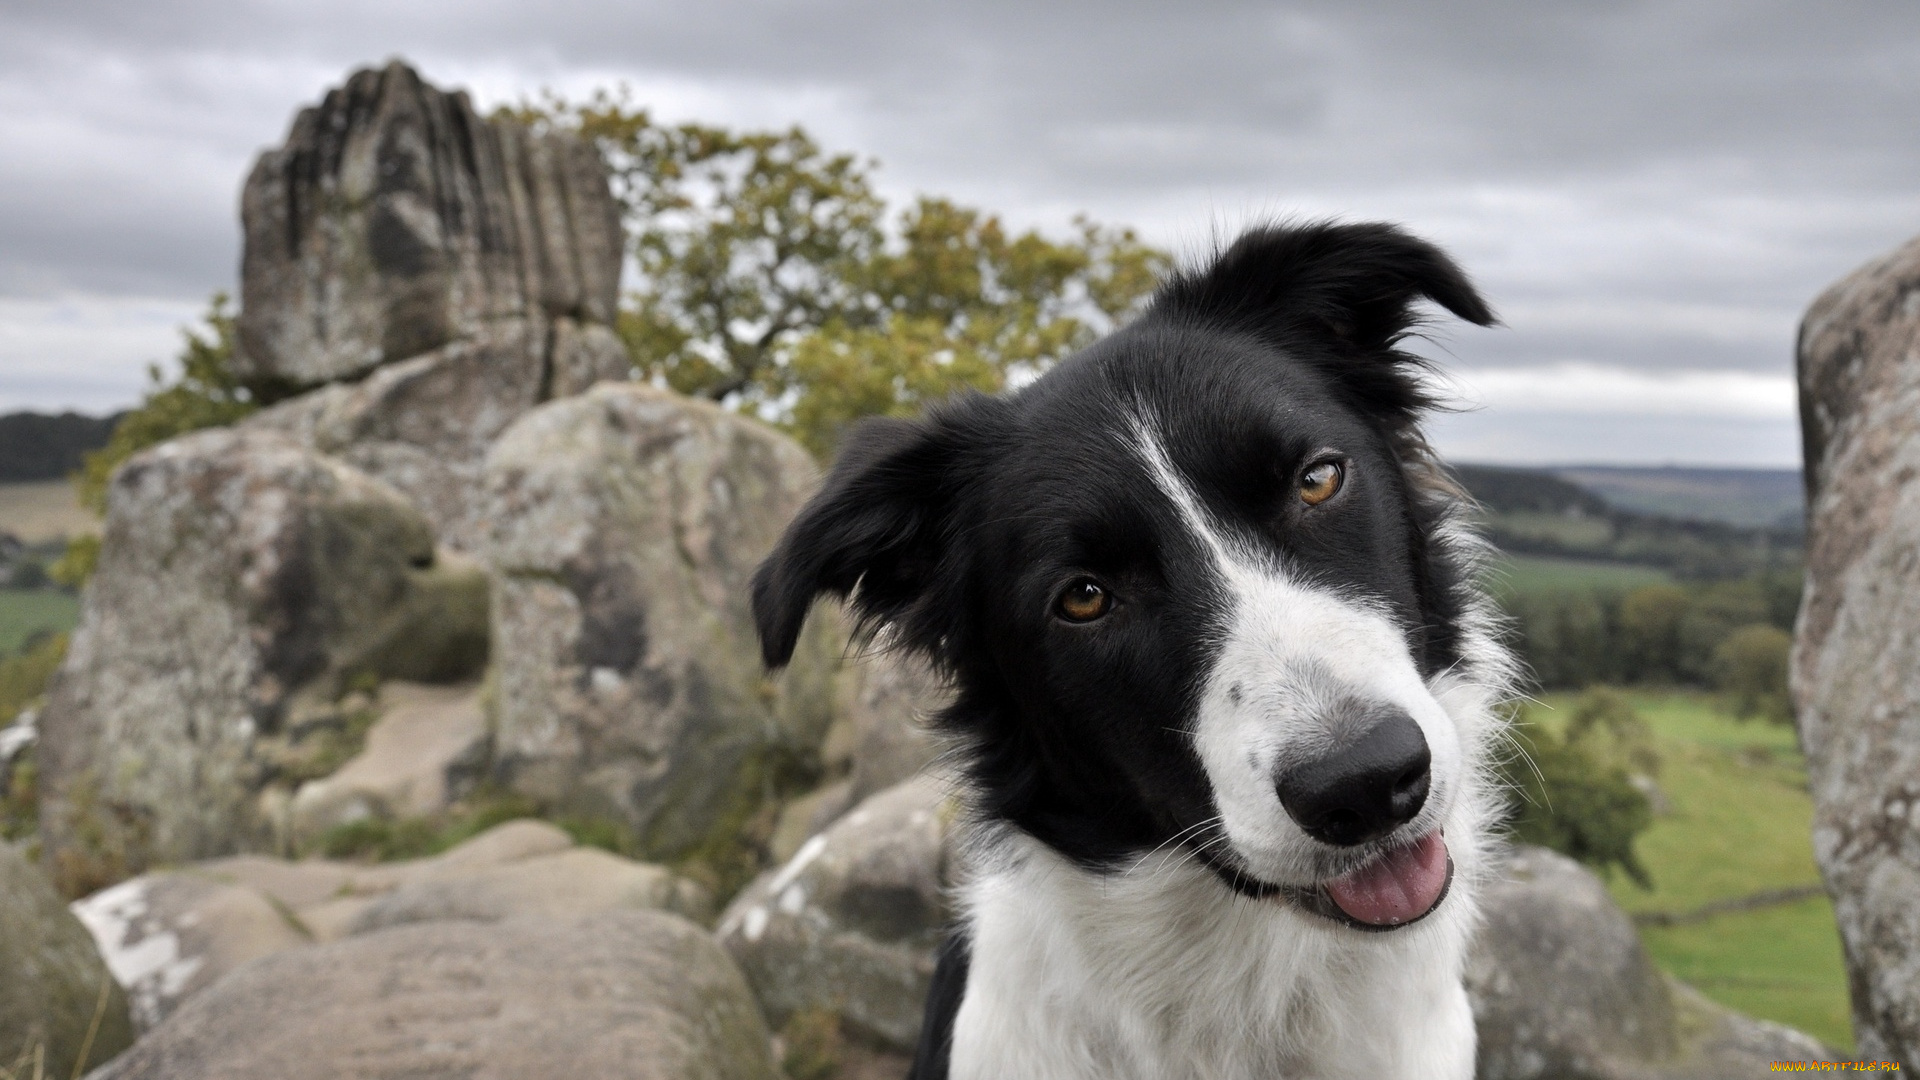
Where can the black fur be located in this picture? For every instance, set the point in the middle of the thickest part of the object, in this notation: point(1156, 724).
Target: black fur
point(957, 532)
point(935, 1049)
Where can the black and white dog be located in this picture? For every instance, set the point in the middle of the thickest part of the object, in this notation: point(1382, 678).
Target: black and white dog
point(1225, 690)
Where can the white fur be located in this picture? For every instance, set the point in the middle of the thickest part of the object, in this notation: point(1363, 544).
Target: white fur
point(1163, 973)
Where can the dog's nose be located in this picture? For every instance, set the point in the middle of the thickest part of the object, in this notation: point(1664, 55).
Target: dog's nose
point(1365, 788)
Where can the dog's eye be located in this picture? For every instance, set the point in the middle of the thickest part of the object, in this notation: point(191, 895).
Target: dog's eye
point(1083, 601)
point(1320, 481)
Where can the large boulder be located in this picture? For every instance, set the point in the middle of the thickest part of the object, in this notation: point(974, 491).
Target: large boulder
point(1856, 659)
point(851, 923)
point(627, 524)
point(169, 935)
point(236, 570)
point(1562, 989)
point(396, 220)
point(1561, 986)
point(53, 986)
point(635, 995)
point(425, 276)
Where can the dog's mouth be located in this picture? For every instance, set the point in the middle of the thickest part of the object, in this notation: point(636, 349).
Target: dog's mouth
point(1396, 888)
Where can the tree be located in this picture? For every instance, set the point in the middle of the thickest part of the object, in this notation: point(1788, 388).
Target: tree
point(1751, 664)
point(772, 277)
point(1575, 792)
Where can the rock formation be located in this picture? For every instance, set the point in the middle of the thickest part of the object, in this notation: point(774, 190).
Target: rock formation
point(51, 981)
point(634, 995)
point(627, 522)
point(237, 570)
point(851, 922)
point(421, 276)
point(1856, 659)
point(169, 935)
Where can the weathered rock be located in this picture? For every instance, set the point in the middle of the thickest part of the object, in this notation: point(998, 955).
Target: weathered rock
point(169, 935)
point(236, 568)
point(634, 995)
point(1856, 659)
point(427, 748)
point(578, 881)
point(51, 978)
point(424, 424)
point(1563, 990)
point(396, 220)
point(1561, 986)
point(850, 923)
point(895, 695)
point(627, 523)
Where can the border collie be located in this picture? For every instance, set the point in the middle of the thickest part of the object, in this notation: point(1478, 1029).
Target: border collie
point(1225, 689)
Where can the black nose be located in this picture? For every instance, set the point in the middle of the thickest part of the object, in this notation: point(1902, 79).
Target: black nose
point(1364, 788)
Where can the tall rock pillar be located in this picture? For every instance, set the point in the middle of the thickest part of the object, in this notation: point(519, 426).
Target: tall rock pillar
point(420, 276)
point(1856, 657)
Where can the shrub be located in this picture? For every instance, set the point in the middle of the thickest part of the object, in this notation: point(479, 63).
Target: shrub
point(1751, 665)
point(1573, 791)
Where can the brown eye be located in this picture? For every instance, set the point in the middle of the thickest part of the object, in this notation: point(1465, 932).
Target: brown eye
point(1319, 482)
point(1083, 601)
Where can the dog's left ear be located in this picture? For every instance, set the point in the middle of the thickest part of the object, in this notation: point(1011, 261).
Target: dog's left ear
point(1351, 287)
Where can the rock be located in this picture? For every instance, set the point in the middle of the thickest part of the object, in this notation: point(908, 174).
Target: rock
point(896, 693)
point(850, 923)
point(236, 569)
point(635, 995)
point(1560, 984)
point(396, 220)
point(627, 523)
point(169, 935)
point(428, 746)
point(424, 424)
point(573, 882)
point(51, 978)
point(1563, 990)
point(1855, 670)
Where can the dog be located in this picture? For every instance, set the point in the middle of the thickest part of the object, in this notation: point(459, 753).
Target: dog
point(1225, 687)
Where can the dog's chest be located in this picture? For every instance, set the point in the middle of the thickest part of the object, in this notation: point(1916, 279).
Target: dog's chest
point(1161, 975)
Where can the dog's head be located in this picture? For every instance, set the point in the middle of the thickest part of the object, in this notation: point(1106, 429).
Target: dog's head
point(1194, 585)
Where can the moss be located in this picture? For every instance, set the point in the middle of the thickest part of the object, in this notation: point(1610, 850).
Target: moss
point(24, 677)
point(735, 848)
point(20, 800)
point(385, 840)
point(813, 1044)
point(106, 842)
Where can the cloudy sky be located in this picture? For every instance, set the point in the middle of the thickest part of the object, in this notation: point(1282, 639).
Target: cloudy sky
point(1650, 193)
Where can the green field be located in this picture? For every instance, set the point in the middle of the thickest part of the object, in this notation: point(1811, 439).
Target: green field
point(24, 611)
point(1512, 575)
point(1739, 823)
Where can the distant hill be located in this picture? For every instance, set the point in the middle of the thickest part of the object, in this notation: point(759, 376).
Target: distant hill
point(1549, 512)
point(1763, 497)
point(40, 446)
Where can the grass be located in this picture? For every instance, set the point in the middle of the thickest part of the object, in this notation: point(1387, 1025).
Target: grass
point(1527, 574)
point(43, 511)
point(23, 612)
point(1740, 822)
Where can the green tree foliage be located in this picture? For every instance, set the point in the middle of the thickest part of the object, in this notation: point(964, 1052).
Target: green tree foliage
point(772, 275)
point(1574, 790)
point(202, 394)
point(1669, 635)
point(1751, 665)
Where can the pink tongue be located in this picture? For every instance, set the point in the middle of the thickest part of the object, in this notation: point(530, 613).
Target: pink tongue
point(1397, 887)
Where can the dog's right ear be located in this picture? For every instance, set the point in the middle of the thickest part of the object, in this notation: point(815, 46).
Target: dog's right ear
point(873, 527)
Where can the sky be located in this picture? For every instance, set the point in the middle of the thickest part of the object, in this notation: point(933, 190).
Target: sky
point(1650, 194)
